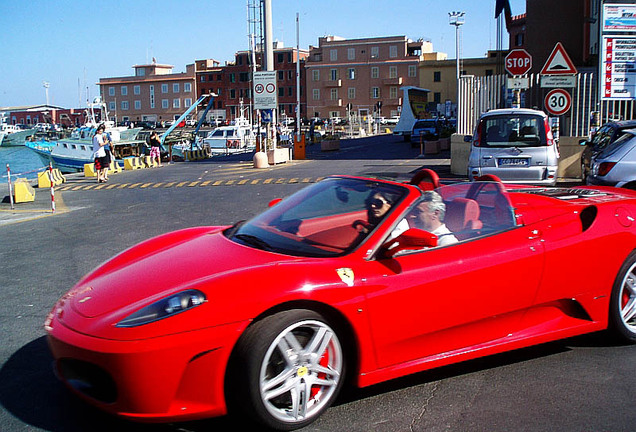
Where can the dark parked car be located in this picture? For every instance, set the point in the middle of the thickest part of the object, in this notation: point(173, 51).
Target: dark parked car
point(607, 134)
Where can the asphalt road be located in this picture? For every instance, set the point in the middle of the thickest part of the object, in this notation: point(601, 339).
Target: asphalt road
point(580, 384)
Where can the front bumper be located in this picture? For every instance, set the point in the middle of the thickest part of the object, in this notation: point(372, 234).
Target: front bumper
point(176, 377)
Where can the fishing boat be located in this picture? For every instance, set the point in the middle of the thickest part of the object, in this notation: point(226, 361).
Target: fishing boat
point(239, 137)
point(72, 153)
point(17, 138)
point(6, 129)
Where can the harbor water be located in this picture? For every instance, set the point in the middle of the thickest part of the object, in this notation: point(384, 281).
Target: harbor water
point(22, 162)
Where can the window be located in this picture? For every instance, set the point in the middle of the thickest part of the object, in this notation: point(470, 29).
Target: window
point(140, 71)
point(281, 75)
point(164, 88)
point(137, 104)
point(375, 52)
point(137, 90)
point(375, 92)
point(393, 92)
point(351, 53)
point(437, 97)
point(111, 91)
point(375, 72)
point(351, 93)
point(333, 55)
point(232, 78)
point(281, 91)
point(393, 51)
point(152, 96)
point(437, 76)
point(187, 102)
point(111, 106)
point(187, 87)
point(280, 57)
point(315, 94)
point(176, 103)
point(315, 75)
point(519, 39)
point(124, 90)
point(334, 74)
point(175, 88)
point(351, 73)
point(165, 103)
point(334, 94)
point(232, 93)
point(412, 70)
point(393, 72)
point(125, 106)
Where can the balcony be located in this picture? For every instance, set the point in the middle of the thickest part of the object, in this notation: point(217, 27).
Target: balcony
point(392, 81)
point(333, 83)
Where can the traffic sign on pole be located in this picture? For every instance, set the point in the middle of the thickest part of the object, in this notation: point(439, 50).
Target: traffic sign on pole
point(557, 102)
point(518, 62)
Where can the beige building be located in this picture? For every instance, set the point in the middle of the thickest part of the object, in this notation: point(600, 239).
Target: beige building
point(439, 75)
point(362, 74)
point(154, 93)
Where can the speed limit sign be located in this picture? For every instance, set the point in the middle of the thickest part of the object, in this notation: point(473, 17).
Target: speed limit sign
point(557, 102)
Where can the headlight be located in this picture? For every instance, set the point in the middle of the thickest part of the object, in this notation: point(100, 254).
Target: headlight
point(164, 308)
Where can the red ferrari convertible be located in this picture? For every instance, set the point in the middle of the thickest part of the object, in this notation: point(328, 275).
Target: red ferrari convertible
point(350, 278)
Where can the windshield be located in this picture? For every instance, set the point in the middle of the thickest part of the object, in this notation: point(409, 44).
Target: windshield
point(329, 218)
point(513, 130)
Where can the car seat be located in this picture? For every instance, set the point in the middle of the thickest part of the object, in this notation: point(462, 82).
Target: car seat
point(462, 217)
point(426, 179)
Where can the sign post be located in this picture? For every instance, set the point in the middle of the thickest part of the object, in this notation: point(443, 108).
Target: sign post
point(517, 62)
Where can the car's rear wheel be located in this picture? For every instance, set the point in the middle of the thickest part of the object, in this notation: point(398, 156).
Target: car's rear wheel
point(287, 369)
point(623, 301)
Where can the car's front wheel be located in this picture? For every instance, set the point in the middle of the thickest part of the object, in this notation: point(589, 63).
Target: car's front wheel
point(623, 301)
point(286, 369)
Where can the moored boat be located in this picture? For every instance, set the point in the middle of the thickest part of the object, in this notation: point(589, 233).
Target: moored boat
point(72, 153)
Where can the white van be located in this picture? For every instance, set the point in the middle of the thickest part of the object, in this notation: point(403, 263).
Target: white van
point(516, 145)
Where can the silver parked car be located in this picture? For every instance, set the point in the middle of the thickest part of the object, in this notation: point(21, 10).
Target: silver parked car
point(516, 145)
point(615, 165)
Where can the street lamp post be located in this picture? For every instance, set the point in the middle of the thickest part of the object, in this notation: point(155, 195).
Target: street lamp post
point(46, 86)
point(457, 19)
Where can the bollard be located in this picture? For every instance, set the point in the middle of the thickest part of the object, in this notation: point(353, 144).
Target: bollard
point(10, 188)
point(52, 188)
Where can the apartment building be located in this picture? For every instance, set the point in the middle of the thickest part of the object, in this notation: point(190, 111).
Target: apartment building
point(362, 75)
point(439, 75)
point(233, 82)
point(153, 93)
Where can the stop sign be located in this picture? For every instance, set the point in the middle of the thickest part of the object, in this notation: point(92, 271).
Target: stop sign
point(518, 62)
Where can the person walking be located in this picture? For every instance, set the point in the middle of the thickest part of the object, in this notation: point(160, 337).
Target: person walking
point(102, 159)
point(155, 148)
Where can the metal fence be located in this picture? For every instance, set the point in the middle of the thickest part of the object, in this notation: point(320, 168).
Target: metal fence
point(480, 94)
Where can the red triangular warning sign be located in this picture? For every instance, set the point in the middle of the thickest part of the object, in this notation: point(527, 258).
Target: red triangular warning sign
point(559, 62)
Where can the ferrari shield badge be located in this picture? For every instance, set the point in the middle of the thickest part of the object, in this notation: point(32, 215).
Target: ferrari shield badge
point(346, 275)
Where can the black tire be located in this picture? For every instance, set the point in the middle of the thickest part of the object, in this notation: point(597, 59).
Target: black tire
point(261, 379)
point(622, 314)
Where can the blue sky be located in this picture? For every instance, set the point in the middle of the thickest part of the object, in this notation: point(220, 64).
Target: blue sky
point(72, 43)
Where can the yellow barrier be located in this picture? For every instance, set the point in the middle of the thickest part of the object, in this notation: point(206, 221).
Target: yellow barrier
point(45, 182)
point(89, 170)
point(149, 162)
point(132, 163)
point(114, 167)
point(23, 191)
point(193, 155)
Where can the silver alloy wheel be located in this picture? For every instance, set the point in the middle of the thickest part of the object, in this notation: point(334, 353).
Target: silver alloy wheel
point(627, 299)
point(301, 371)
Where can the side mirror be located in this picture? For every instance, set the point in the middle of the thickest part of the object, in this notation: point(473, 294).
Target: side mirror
point(468, 138)
point(411, 239)
point(275, 201)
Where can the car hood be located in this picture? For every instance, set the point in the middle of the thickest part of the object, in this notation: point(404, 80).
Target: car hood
point(162, 266)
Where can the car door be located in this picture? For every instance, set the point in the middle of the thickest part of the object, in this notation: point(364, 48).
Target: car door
point(454, 297)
